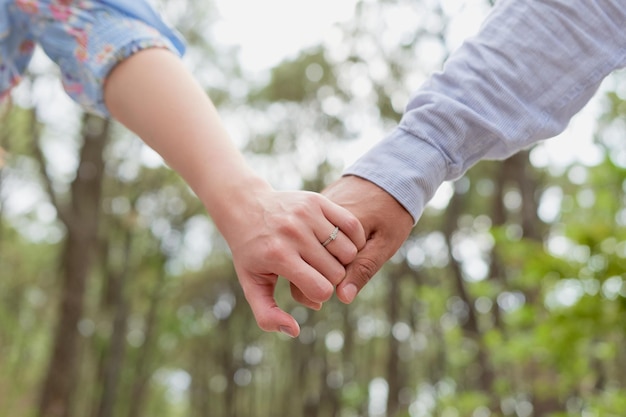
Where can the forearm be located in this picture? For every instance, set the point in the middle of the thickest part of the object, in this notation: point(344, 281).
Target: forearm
point(270, 233)
point(174, 116)
point(532, 66)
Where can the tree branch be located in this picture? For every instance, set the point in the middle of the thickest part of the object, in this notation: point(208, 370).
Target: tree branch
point(41, 159)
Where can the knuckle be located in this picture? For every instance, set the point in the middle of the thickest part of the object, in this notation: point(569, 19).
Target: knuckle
point(352, 224)
point(363, 271)
point(297, 295)
point(288, 225)
point(350, 255)
point(321, 292)
point(336, 276)
point(273, 249)
point(317, 290)
point(264, 323)
point(302, 208)
point(309, 198)
point(353, 229)
point(326, 292)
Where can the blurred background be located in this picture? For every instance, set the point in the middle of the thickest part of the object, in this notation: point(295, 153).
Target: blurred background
point(118, 297)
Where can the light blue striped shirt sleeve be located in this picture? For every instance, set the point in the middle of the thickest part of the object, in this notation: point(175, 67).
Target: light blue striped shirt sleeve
point(531, 67)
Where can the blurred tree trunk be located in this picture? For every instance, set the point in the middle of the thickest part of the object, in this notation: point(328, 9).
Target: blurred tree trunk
point(328, 404)
point(523, 176)
point(518, 171)
point(200, 371)
point(143, 367)
point(116, 304)
point(395, 377)
point(470, 325)
point(527, 183)
point(80, 217)
point(497, 271)
point(229, 369)
point(301, 356)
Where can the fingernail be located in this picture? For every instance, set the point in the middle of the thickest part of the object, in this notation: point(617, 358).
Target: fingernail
point(286, 331)
point(349, 292)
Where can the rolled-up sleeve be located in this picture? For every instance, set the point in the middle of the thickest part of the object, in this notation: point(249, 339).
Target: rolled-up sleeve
point(532, 66)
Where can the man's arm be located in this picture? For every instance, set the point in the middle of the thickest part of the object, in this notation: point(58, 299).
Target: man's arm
point(533, 65)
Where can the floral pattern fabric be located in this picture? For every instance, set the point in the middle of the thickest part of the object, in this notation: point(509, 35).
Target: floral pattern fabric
point(85, 38)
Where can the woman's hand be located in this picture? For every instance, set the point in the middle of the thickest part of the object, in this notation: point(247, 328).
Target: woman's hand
point(281, 233)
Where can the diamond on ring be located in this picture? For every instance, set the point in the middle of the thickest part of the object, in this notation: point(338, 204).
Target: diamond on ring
point(333, 236)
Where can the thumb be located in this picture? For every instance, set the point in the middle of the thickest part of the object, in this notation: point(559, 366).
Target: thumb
point(366, 264)
point(260, 296)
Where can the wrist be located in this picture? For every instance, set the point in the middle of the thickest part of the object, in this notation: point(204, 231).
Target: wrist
point(233, 201)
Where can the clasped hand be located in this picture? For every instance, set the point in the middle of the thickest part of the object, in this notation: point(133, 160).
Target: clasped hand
point(282, 234)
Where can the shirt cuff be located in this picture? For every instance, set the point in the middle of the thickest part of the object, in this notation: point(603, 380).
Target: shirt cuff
point(405, 166)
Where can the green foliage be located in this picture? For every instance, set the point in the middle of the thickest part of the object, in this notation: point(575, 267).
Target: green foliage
point(298, 80)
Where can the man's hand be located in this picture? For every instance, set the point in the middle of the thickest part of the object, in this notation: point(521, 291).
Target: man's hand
point(387, 225)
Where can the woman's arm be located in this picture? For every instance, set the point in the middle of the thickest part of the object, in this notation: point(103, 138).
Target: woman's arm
point(270, 233)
